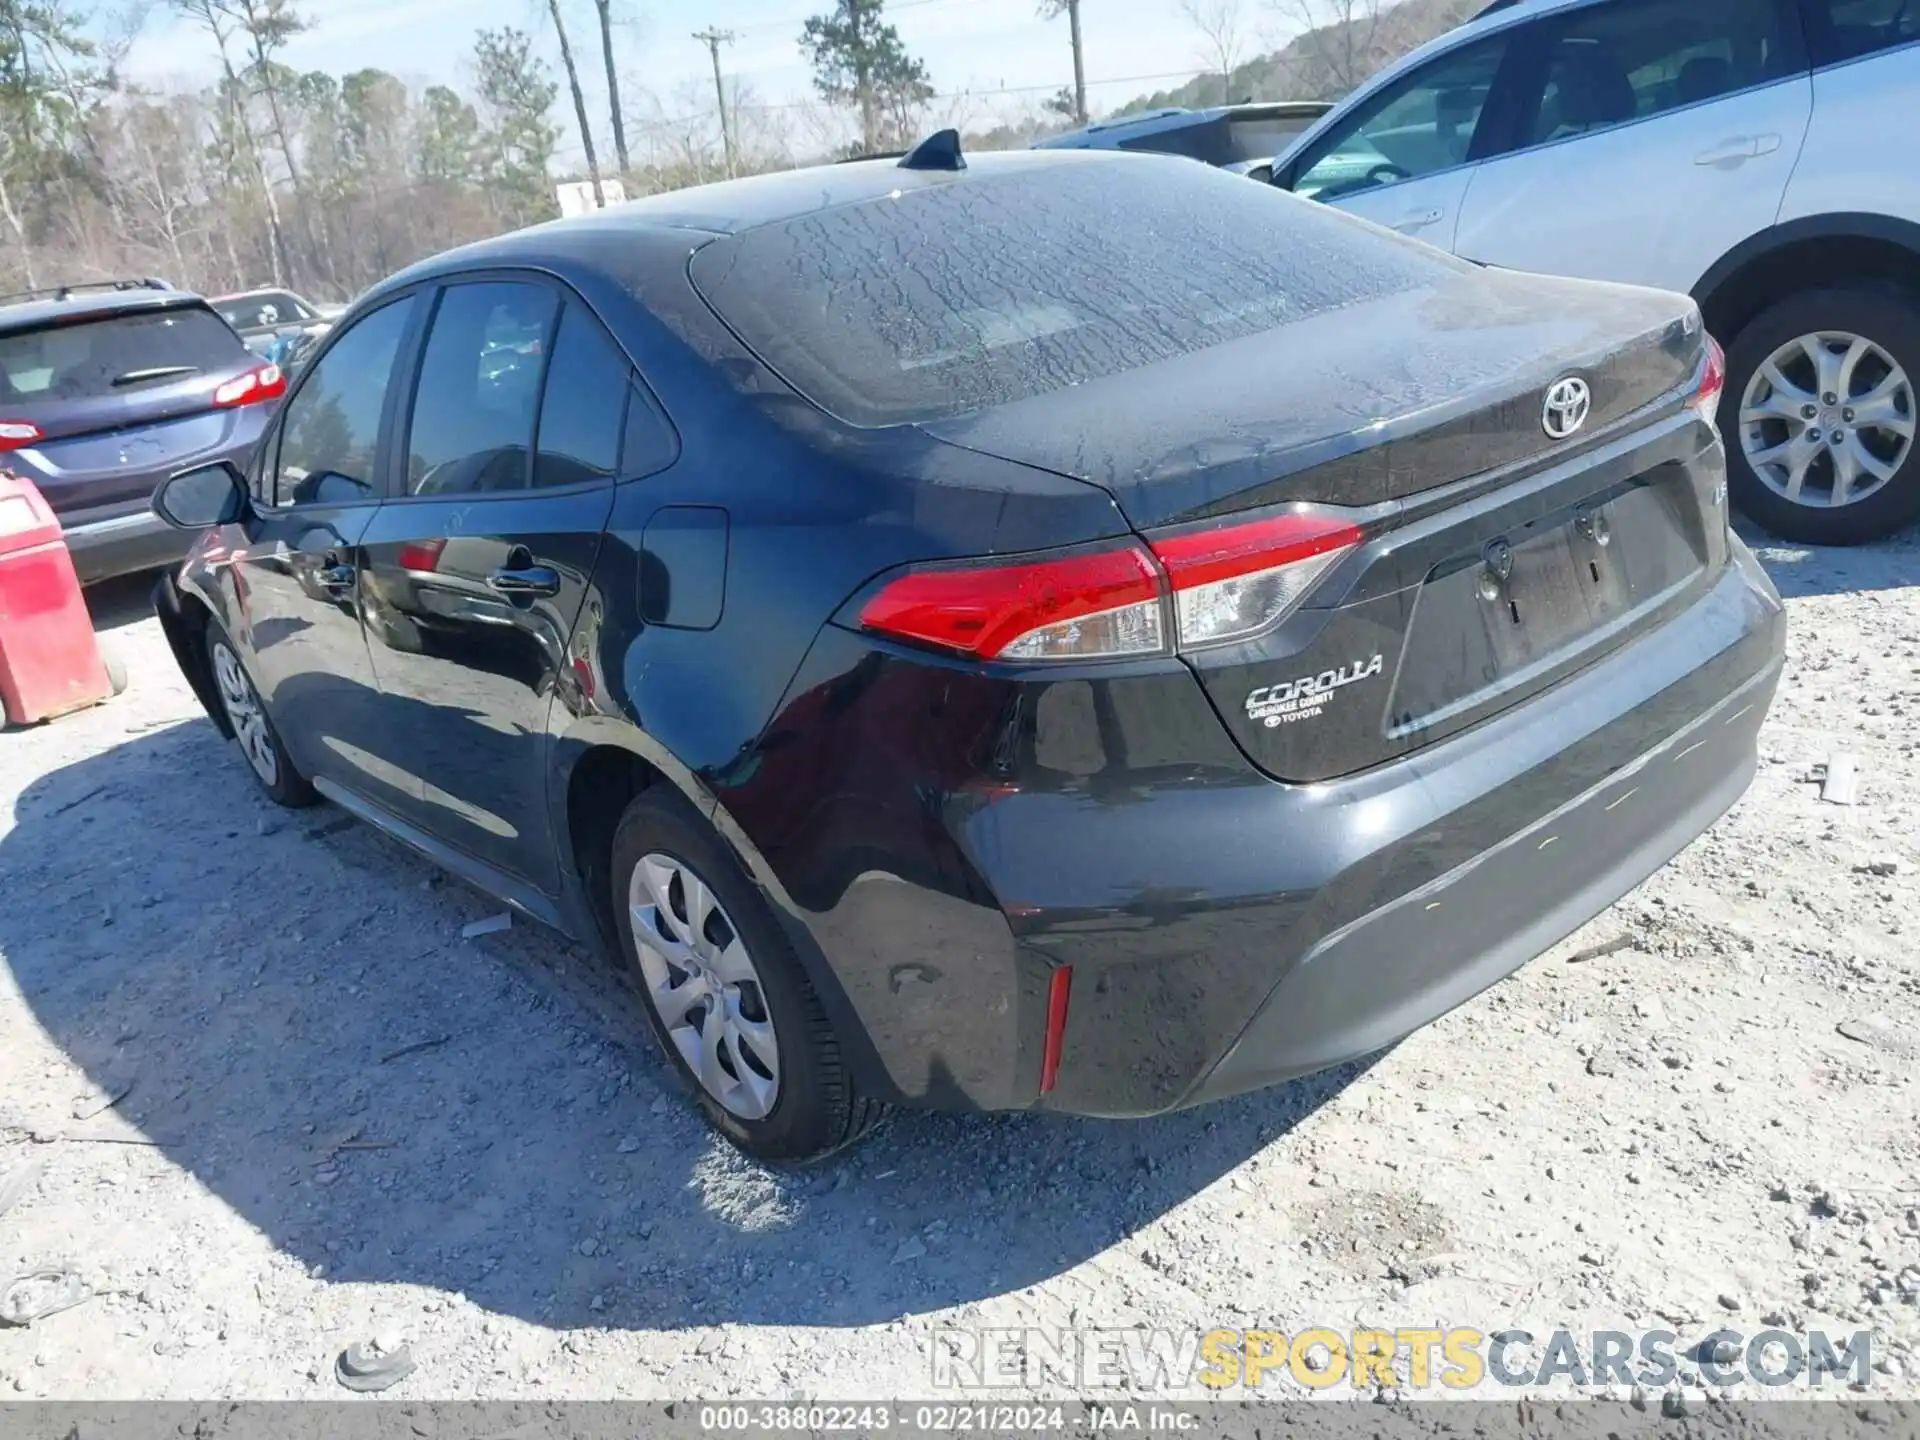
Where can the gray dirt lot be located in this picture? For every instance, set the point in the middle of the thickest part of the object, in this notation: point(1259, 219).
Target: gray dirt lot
point(1673, 1133)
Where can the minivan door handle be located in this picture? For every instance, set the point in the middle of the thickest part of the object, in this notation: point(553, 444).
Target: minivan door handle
point(532, 580)
point(1418, 220)
point(1733, 151)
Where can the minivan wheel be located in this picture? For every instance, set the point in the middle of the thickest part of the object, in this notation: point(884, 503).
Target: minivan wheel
point(253, 732)
point(726, 996)
point(1819, 416)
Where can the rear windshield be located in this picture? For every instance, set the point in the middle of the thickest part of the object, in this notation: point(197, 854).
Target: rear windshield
point(944, 299)
point(115, 354)
point(263, 311)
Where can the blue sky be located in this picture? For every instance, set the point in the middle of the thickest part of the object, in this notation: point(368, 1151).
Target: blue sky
point(969, 45)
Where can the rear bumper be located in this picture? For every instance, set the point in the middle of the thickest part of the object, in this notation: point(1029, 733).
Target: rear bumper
point(1329, 921)
point(124, 544)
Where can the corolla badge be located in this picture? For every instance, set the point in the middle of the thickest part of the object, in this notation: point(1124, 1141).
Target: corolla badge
point(1568, 402)
point(1302, 699)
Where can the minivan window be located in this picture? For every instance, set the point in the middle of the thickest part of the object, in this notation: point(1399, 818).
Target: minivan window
point(946, 298)
point(1609, 64)
point(472, 427)
point(1848, 29)
point(1420, 124)
point(330, 435)
point(116, 354)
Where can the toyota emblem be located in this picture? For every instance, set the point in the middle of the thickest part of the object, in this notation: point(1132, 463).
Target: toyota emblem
point(1568, 402)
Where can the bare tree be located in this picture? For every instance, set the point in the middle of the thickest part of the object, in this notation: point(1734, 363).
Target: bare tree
point(215, 19)
point(1052, 9)
point(1223, 37)
point(1340, 44)
point(579, 102)
point(613, 86)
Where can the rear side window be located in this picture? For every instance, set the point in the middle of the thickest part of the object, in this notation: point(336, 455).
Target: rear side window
point(954, 296)
point(330, 436)
point(473, 412)
point(1609, 64)
point(1848, 29)
point(584, 404)
point(1419, 125)
point(115, 354)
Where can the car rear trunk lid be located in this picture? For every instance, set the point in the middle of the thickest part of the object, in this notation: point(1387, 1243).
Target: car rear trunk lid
point(1496, 560)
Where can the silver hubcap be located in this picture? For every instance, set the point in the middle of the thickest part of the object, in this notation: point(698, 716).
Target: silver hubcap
point(1828, 419)
point(702, 984)
point(243, 711)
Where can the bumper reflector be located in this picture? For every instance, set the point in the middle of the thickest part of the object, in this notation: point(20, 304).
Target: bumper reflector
point(1057, 990)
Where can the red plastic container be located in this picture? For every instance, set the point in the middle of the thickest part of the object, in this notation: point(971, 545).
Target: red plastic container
point(49, 660)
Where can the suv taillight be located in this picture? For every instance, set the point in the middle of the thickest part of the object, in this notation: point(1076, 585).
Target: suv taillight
point(1216, 583)
point(267, 382)
point(18, 434)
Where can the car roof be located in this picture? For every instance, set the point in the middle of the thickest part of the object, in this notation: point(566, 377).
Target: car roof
point(249, 294)
point(730, 207)
point(32, 314)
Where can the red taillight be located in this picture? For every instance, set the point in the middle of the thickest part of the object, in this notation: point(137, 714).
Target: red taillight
point(1713, 379)
point(1227, 582)
point(1057, 991)
point(18, 434)
point(1091, 605)
point(268, 382)
point(422, 554)
point(1236, 580)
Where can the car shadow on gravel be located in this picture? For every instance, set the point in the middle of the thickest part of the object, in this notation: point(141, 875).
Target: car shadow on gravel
point(304, 1030)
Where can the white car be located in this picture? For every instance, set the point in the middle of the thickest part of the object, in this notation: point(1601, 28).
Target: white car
point(1747, 152)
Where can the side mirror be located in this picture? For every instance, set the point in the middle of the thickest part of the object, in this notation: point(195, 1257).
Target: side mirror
point(204, 496)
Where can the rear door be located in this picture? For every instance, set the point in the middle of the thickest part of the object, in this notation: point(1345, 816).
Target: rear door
point(1654, 136)
point(478, 564)
point(1406, 156)
point(119, 398)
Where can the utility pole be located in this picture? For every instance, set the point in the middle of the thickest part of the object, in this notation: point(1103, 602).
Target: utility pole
point(1079, 63)
point(713, 39)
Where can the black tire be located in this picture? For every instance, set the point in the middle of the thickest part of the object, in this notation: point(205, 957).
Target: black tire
point(1890, 318)
point(817, 1109)
point(288, 786)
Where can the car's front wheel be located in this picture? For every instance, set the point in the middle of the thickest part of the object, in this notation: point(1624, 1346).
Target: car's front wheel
point(253, 731)
point(727, 997)
point(1820, 412)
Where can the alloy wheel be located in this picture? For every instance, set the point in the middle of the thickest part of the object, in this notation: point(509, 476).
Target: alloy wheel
point(244, 712)
point(702, 983)
point(1827, 419)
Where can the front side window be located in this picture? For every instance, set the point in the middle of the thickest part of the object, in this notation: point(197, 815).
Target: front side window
point(473, 411)
point(1422, 124)
point(1848, 29)
point(330, 435)
point(1610, 64)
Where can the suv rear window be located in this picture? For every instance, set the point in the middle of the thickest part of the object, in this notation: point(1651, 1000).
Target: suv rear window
point(952, 297)
point(114, 354)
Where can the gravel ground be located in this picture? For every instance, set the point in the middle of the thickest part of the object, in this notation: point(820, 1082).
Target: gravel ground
point(1676, 1132)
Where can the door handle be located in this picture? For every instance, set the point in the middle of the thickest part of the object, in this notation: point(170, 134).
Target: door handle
point(1418, 220)
point(1731, 152)
point(1765, 144)
point(533, 580)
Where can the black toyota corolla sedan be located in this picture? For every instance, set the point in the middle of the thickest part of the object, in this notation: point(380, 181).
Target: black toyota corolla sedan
point(1068, 631)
